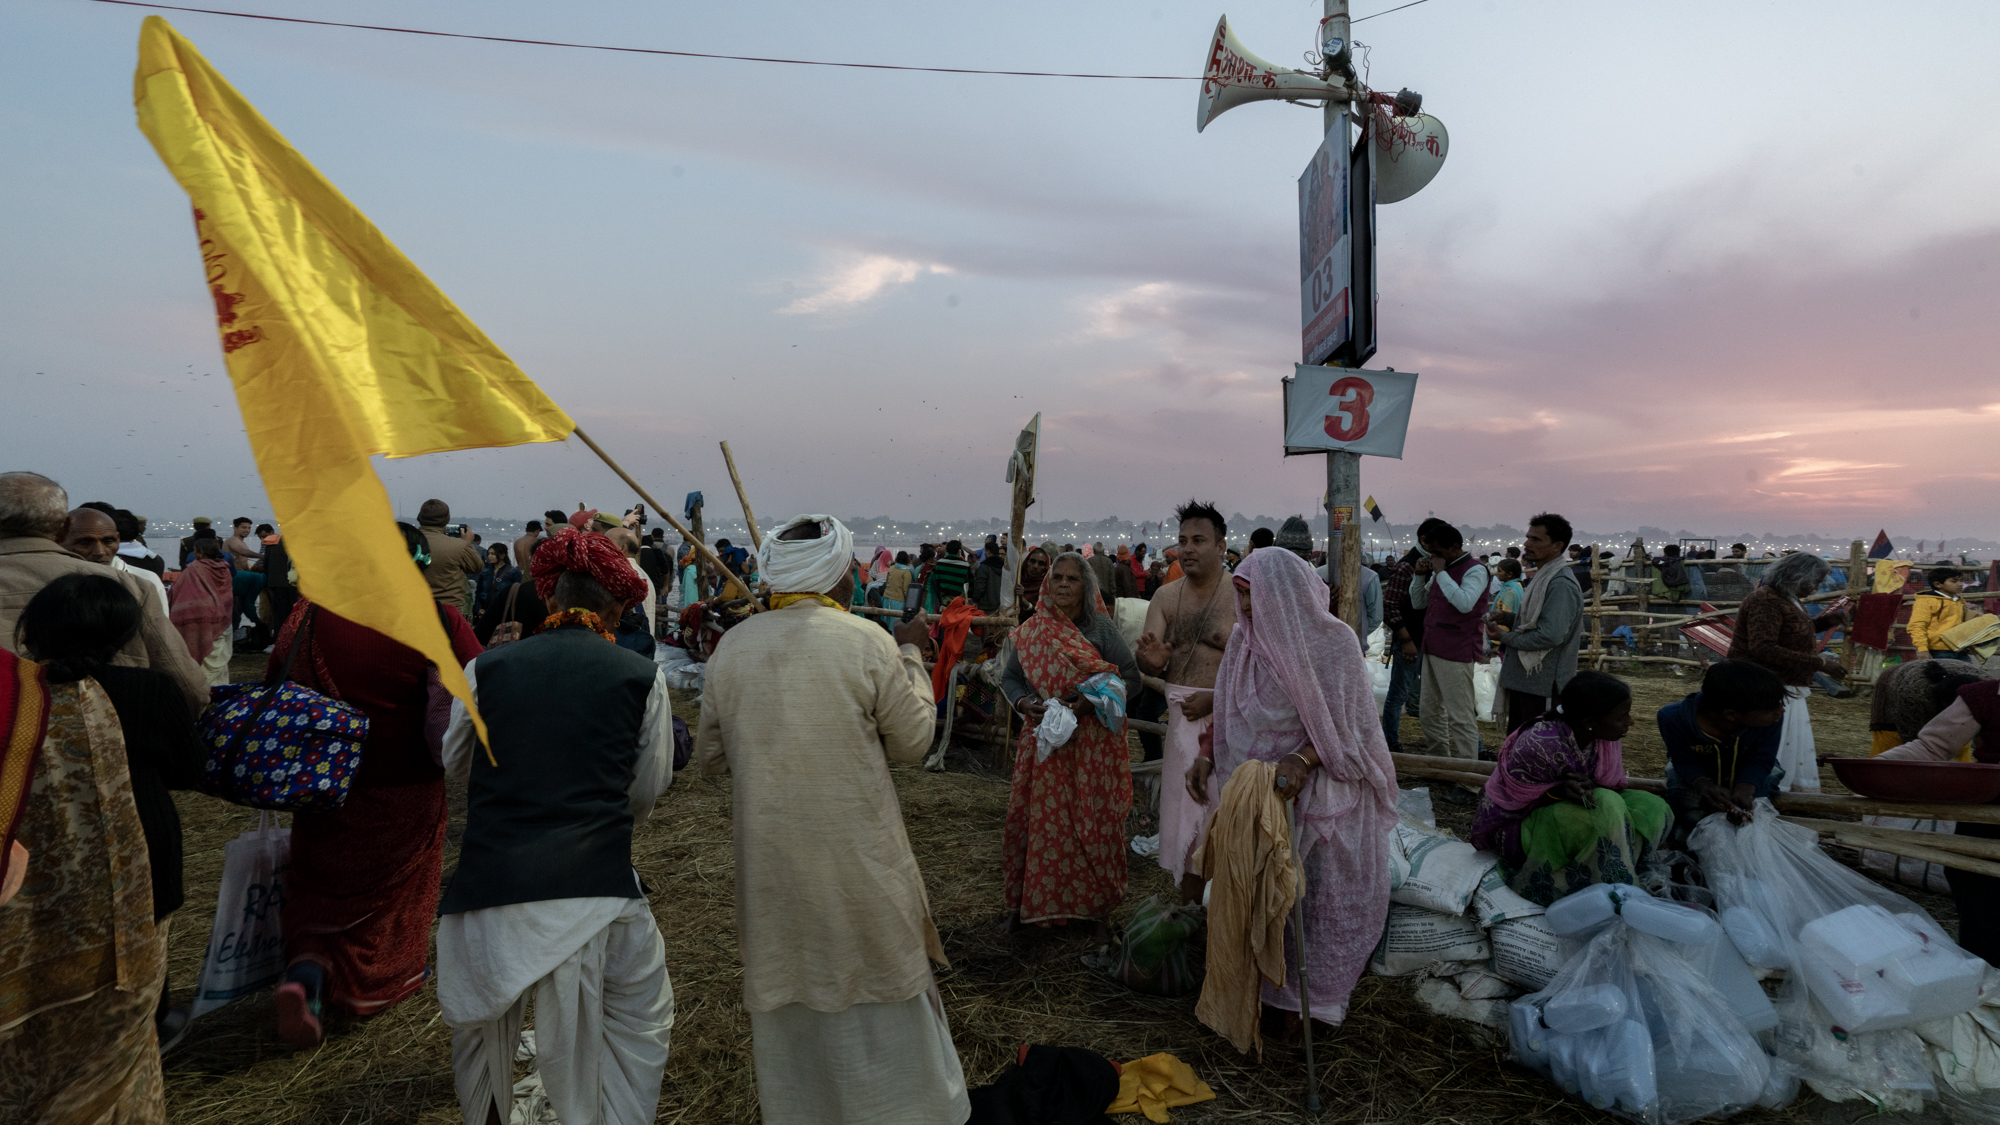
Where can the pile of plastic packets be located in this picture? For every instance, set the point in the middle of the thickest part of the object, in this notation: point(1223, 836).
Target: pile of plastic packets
point(1787, 967)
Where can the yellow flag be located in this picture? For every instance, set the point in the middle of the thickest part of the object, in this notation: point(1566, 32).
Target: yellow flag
point(339, 347)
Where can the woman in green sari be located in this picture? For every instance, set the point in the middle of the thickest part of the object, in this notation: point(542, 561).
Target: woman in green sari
point(1557, 807)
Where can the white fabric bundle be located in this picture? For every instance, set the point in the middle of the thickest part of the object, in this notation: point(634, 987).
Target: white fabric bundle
point(807, 566)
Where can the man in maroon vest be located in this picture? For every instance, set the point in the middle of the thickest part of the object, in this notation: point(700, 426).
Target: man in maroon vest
point(1450, 587)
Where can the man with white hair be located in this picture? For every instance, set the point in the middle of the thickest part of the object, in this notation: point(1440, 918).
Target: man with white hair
point(34, 522)
point(831, 917)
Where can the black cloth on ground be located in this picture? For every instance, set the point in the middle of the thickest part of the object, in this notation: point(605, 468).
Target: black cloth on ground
point(1051, 1086)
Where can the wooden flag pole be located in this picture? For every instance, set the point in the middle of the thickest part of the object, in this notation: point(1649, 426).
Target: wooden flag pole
point(749, 517)
point(700, 547)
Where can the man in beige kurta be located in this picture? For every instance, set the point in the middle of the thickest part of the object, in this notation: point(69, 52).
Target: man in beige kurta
point(806, 706)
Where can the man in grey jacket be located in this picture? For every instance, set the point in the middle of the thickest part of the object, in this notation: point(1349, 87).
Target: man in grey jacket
point(1542, 638)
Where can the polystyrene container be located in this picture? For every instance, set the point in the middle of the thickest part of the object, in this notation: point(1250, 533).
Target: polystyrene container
point(1866, 1003)
point(1585, 1009)
point(1669, 921)
point(1617, 1069)
point(1590, 907)
point(1754, 938)
point(1858, 940)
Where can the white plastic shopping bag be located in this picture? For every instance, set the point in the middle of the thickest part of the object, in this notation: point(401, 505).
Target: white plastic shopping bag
point(246, 946)
point(1486, 689)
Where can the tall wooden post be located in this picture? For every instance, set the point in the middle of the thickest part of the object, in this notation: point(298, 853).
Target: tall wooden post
point(1596, 609)
point(1857, 585)
point(1644, 589)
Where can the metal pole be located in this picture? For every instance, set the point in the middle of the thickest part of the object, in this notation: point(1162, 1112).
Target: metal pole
point(1343, 469)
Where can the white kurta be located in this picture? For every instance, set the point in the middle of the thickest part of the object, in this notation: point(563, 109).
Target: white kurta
point(596, 967)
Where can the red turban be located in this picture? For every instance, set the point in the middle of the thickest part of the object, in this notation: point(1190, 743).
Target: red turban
point(586, 552)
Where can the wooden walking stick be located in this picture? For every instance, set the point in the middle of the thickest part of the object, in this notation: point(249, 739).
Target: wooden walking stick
point(1305, 996)
point(749, 517)
point(701, 548)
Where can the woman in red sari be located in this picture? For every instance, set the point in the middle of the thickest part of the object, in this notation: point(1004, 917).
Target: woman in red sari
point(363, 889)
point(1064, 845)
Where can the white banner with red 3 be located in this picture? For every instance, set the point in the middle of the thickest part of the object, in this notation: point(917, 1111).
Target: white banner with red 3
point(1349, 409)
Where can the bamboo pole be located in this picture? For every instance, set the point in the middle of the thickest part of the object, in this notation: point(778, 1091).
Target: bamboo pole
point(1963, 845)
point(872, 611)
point(749, 517)
point(1918, 851)
point(701, 548)
point(1415, 765)
point(1857, 571)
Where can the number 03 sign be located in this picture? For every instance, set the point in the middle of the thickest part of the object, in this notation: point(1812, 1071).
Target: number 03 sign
point(1348, 409)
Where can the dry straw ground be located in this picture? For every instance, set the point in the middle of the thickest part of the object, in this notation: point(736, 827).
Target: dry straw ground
point(1391, 1062)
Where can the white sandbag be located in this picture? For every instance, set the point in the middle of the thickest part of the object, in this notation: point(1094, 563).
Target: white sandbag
point(1496, 902)
point(1902, 869)
point(1446, 999)
point(1484, 984)
point(1415, 939)
point(1444, 872)
point(1527, 952)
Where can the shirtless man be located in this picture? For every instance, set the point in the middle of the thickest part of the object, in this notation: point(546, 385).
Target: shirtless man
point(1187, 627)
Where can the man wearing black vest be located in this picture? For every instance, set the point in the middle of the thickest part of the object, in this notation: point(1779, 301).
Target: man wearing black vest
point(545, 900)
point(1450, 588)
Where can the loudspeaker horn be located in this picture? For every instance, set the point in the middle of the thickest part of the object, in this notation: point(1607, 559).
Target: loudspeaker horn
point(1234, 76)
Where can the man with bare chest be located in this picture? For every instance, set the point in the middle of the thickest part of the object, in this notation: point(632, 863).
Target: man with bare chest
point(1187, 627)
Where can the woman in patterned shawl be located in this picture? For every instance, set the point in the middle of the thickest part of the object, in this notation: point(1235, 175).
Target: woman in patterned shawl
point(1064, 845)
point(1556, 807)
point(81, 962)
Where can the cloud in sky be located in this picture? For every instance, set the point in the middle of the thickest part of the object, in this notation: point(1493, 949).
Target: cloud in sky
point(860, 282)
point(1771, 312)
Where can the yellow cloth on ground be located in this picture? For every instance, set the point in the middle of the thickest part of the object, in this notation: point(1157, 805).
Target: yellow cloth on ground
point(1157, 1083)
point(339, 347)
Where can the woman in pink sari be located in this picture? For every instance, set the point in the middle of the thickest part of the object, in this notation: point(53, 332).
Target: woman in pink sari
point(1293, 690)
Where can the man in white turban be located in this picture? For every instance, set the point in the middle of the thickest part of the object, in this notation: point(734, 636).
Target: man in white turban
point(831, 918)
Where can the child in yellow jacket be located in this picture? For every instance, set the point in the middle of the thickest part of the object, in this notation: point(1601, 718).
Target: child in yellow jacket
point(1937, 610)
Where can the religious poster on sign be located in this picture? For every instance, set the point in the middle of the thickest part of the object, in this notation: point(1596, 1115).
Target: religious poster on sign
point(1325, 253)
point(1348, 409)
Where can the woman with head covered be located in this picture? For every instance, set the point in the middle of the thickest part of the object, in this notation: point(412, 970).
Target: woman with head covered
point(1293, 694)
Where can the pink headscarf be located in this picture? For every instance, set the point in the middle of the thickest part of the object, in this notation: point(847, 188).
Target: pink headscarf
point(1295, 674)
point(883, 561)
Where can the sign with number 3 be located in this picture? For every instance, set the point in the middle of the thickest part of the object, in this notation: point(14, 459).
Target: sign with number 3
point(1344, 408)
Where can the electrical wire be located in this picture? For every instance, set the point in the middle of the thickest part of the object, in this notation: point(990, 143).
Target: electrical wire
point(649, 50)
point(677, 54)
point(1411, 4)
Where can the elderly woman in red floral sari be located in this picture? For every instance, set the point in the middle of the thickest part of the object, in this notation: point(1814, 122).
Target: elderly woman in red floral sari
point(1064, 844)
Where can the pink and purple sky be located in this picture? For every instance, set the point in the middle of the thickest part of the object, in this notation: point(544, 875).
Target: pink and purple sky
point(1728, 269)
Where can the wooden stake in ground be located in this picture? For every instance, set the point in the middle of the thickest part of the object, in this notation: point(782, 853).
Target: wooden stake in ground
point(749, 517)
point(700, 548)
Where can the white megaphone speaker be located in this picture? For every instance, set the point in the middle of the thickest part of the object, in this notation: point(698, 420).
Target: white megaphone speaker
point(1234, 76)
